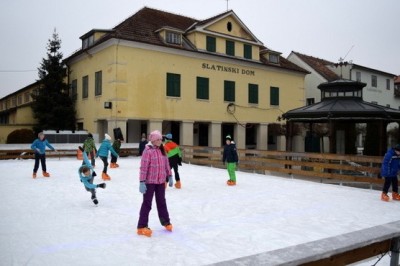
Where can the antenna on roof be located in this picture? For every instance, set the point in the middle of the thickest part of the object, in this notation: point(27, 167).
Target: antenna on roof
point(227, 5)
point(342, 59)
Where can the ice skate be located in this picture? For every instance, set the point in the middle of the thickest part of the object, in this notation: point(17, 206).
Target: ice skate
point(231, 183)
point(395, 196)
point(105, 176)
point(145, 231)
point(384, 196)
point(112, 165)
point(95, 201)
point(34, 175)
point(45, 174)
point(178, 184)
point(168, 227)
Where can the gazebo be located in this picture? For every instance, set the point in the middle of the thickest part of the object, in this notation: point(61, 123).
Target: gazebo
point(341, 108)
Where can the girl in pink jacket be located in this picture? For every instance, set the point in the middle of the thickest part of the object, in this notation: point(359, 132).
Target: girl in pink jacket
point(154, 170)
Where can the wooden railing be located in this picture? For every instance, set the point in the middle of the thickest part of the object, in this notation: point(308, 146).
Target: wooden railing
point(345, 168)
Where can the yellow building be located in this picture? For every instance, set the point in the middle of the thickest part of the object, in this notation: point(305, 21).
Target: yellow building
point(16, 111)
point(199, 80)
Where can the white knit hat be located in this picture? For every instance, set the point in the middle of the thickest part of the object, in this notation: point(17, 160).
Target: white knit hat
point(107, 136)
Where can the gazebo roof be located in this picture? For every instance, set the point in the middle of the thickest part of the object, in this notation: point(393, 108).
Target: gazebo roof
point(342, 107)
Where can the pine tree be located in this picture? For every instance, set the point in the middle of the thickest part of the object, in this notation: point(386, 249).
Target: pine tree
point(53, 107)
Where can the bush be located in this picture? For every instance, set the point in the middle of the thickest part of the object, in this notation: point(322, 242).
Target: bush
point(20, 136)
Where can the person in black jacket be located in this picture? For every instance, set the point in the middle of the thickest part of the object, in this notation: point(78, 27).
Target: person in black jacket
point(230, 157)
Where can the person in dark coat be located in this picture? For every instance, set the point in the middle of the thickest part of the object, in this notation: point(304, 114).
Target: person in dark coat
point(389, 170)
point(230, 157)
point(142, 144)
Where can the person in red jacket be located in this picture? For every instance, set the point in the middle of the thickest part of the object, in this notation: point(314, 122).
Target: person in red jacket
point(174, 155)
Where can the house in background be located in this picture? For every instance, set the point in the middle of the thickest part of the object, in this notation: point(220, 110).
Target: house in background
point(16, 111)
point(379, 88)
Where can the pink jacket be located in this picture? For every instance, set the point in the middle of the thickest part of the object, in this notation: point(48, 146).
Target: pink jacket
point(154, 166)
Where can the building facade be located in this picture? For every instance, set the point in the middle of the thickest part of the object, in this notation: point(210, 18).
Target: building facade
point(200, 80)
point(380, 87)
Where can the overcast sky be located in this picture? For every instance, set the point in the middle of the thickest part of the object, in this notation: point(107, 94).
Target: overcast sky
point(364, 31)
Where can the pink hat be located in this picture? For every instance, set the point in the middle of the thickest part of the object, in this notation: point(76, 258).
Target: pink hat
point(155, 135)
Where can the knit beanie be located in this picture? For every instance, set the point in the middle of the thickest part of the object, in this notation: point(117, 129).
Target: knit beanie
point(155, 135)
point(108, 137)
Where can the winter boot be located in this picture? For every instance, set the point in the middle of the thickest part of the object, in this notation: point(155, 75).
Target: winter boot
point(231, 183)
point(145, 231)
point(384, 196)
point(395, 196)
point(112, 165)
point(95, 201)
point(45, 174)
point(168, 227)
point(178, 184)
point(34, 175)
point(105, 176)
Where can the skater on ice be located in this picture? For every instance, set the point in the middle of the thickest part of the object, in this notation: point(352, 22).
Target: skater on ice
point(154, 169)
point(230, 157)
point(174, 155)
point(103, 152)
point(39, 146)
point(389, 170)
point(86, 175)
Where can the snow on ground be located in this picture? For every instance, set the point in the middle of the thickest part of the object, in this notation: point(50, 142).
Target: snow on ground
point(52, 221)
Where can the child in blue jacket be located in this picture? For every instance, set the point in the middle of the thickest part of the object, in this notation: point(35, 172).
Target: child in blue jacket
point(87, 174)
point(103, 151)
point(39, 146)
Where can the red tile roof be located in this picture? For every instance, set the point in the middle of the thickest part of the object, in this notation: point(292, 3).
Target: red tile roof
point(319, 65)
point(143, 27)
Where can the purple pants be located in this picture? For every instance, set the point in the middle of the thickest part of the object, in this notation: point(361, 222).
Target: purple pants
point(159, 191)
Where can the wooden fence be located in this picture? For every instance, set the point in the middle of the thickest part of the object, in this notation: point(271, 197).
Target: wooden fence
point(344, 168)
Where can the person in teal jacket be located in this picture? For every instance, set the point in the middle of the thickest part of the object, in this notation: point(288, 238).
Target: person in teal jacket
point(86, 175)
point(39, 146)
point(103, 152)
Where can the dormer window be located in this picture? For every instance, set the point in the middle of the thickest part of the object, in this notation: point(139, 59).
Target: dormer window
point(88, 41)
point(273, 58)
point(174, 37)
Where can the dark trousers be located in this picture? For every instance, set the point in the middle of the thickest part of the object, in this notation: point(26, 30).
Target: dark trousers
point(391, 181)
point(105, 163)
point(42, 159)
point(159, 191)
point(175, 167)
point(113, 158)
point(91, 190)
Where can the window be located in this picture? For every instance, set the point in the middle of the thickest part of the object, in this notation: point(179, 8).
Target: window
point(358, 76)
point(274, 58)
point(74, 89)
point(173, 85)
point(85, 87)
point(202, 88)
point(388, 84)
point(98, 88)
point(211, 44)
point(388, 105)
point(310, 101)
point(230, 48)
point(173, 37)
point(247, 51)
point(88, 41)
point(274, 96)
point(253, 93)
point(229, 91)
point(373, 81)
point(19, 99)
point(26, 97)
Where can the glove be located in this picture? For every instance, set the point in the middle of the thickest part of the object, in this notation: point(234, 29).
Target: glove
point(102, 185)
point(142, 187)
point(170, 181)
